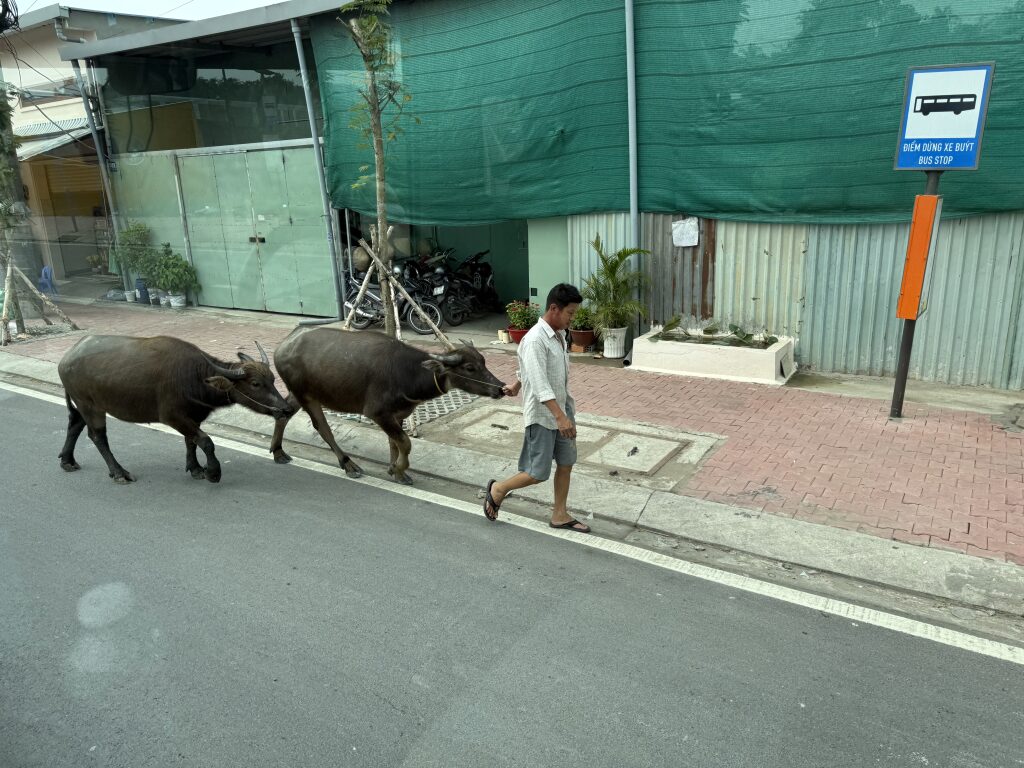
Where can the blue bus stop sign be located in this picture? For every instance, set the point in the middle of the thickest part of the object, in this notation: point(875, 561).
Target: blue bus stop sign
point(943, 117)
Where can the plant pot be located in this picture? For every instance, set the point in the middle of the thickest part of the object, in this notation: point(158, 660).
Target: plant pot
point(165, 300)
point(177, 299)
point(154, 299)
point(582, 339)
point(773, 365)
point(129, 296)
point(614, 342)
point(517, 334)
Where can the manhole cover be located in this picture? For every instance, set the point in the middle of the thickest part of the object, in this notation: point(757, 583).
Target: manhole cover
point(424, 413)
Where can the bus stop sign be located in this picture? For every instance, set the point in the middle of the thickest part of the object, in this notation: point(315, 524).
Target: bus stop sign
point(943, 117)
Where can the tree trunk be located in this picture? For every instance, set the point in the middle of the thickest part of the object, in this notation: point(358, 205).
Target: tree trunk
point(5, 331)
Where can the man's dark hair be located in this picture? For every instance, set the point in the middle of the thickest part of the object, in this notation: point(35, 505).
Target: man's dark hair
point(563, 295)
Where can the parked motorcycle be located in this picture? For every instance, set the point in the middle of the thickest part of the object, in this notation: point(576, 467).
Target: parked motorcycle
point(371, 308)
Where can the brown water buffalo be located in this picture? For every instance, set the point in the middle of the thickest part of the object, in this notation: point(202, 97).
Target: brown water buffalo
point(158, 379)
point(372, 374)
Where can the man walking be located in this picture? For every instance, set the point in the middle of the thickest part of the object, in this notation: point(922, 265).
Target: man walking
point(549, 412)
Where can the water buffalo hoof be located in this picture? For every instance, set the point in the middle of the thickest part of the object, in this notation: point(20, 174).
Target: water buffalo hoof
point(213, 476)
point(198, 473)
point(70, 466)
point(124, 479)
point(281, 457)
point(352, 469)
point(403, 478)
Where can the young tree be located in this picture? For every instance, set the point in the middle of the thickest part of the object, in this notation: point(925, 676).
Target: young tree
point(377, 115)
point(13, 213)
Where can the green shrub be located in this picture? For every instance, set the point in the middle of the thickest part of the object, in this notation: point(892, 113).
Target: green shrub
point(173, 274)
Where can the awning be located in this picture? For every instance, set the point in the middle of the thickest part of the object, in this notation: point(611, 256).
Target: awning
point(30, 149)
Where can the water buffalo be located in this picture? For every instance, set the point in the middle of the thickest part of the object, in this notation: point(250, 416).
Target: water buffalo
point(372, 374)
point(158, 379)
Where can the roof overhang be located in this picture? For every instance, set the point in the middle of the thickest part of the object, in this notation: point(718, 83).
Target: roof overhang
point(259, 26)
point(45, 15)
point(30, 149)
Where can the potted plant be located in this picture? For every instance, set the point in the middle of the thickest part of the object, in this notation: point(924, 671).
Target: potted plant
point(95, 261)
point(582, 329)
point(522, 316)
point(134, 254)
point(176, 276)
point(609, 292)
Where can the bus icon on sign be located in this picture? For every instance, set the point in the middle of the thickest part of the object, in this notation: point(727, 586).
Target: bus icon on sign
point(955, 103)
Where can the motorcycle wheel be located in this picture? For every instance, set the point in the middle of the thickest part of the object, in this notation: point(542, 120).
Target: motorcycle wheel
point(418, 324)
point(454, 314)
point(358, 321)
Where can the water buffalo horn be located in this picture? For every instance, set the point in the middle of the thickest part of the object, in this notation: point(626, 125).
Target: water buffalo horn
point(452, 359)
point(468, 343)
point(263, 354)
point(228, 373)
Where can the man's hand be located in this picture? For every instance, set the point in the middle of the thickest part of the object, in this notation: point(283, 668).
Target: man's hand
point(566, 427)
point(512, 389)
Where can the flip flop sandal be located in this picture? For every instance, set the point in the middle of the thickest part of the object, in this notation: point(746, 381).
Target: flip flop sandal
point(491, 507)
point(570, 525)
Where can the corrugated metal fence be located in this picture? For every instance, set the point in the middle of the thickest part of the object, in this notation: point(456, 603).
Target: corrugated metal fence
point(834, 287)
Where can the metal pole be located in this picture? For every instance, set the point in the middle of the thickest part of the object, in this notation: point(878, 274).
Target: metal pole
point(320, 175)
point(634, 194)
point(102, 162)
point(907, 337)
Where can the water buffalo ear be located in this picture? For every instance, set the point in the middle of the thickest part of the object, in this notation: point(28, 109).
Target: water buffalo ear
point(245, 358)
point(220, 383)
point(434, 365)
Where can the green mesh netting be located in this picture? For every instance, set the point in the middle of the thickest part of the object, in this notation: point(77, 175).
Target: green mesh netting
point(522, 107)
point(782, 110)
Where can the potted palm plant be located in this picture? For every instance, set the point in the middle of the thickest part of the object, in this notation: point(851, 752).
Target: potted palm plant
point(522, 316)
point(582, 329)
point(610, 293)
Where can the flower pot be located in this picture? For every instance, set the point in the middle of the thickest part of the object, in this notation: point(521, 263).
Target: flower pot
point(177, 299)
point(517, 334)
point(165, 300)
point(614, 342)
point(581, 339)
point(129, 296)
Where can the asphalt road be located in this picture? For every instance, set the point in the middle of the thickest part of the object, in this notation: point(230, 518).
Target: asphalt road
point(289, 618)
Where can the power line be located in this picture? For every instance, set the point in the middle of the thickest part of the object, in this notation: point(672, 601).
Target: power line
point(182, 5)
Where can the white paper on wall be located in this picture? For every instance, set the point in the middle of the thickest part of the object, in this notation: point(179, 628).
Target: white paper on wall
point(685, 232)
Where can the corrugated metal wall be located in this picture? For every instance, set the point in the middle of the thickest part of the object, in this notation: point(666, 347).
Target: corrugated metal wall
point(852, 281)
point(682, 280)
point(835, 287)
point(971, 332)
point(614, 231)
point(759, 275)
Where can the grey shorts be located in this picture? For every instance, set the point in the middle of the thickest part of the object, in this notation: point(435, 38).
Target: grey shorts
point(541, 446)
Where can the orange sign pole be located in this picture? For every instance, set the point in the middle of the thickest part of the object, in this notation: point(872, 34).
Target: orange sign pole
point(923, 229)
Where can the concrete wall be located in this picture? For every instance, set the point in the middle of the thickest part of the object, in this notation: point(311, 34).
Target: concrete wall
point(549, 255)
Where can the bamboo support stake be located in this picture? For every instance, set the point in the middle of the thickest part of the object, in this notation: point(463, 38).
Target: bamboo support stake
point(45, 299)
point(396, 284)
point(347, 325)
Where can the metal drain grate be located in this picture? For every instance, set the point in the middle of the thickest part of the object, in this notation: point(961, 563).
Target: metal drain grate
point(425, 412)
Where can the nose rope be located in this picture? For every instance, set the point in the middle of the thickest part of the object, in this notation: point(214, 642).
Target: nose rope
point(256, 402)
point(467, 378)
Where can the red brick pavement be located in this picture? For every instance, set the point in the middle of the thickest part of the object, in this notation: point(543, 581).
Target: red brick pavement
point(940, 478)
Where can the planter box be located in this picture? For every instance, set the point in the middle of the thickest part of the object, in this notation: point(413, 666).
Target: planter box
point(762, 366)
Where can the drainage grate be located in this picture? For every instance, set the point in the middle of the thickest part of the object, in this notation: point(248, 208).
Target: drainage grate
point(424, 413)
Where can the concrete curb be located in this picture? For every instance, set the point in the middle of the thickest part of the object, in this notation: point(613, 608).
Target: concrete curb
point(947, 575)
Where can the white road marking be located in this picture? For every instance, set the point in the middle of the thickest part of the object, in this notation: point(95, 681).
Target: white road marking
point(893, 622)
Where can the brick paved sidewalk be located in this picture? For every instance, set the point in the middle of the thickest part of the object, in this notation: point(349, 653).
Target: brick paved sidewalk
point(940, 478)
